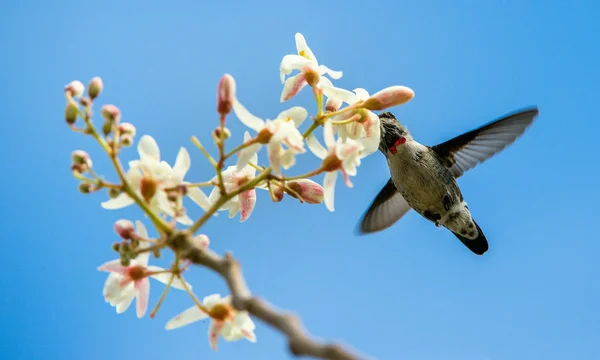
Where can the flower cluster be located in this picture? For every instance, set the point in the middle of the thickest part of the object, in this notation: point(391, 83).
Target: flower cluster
point(350, 133)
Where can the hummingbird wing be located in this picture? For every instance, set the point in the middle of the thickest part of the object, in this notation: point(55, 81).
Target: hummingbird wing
point(387, 208)
point(466, 151)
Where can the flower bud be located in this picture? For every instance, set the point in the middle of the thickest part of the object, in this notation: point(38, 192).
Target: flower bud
point(310, 191)
point(389, 97)
point(114, 192)
point(95, 87)
point(107, 128)
point(71, 112)
point(127, 128)
point(333, 104)
point(111, 113)
point(216, 134)
point(201, 241)
point(126, 140)
point(225, 94)
point(82, 161)
point(124, 228)
point(277, 194)
point(86, 188)
point(74, 88)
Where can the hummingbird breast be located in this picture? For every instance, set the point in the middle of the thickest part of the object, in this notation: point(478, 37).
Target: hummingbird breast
point(424, 182)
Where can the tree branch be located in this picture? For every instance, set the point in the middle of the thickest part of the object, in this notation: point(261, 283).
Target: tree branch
point(299, 341)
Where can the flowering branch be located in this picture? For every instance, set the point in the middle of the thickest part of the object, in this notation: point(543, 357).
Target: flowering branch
point(299, 342)
point(158, 189)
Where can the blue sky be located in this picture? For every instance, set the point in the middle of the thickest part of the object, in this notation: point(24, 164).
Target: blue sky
point(410, 292)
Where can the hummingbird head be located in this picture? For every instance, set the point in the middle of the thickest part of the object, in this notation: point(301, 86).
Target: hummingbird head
point(392, 132)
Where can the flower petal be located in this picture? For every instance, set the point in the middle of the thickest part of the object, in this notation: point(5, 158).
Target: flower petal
point(112, 287)
point(246, 117)
point(142, 293)
point(182, 164)
point(329, 189)
point(213, 334)
point(274, 152)
point(125, 302)
point(297, 114)
point(361, 93)
point(339, 93)
point(184, 219)
point(165, 277)
point(148, 148)
point(292, 87)
point(315, 146)
point(303, 49)
point(373, 132)
point(328, 135)
point(113, 266)
point(121, 201)
point(211, 300)
point(247, 202)
point(187, 317)
point(199, 197)
point(246, 155)
point(140, 229)
point(290, 63)
point(334, 74)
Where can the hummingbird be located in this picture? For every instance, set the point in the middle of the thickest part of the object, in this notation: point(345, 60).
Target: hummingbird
point(423, 177)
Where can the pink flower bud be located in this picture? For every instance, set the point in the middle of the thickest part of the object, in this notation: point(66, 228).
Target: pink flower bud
point(111, 113)
point(310, 191)
point(201, 241)
point(333, 104)
point(95, 87)
point(82, 161)
point(124, 228)
point(389, 97)
point(74, 88)
point(127, 128)
point(225, 94)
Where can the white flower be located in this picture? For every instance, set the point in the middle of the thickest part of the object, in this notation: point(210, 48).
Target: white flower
point(126, 282)
point(149, 177)
point(366, 124)
point(343, 155)
point(310, 70)
point(233, 178)
point(231, 324)
point(275, 133)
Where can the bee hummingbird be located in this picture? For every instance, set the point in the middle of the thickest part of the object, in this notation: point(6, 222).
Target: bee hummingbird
point(423, 177)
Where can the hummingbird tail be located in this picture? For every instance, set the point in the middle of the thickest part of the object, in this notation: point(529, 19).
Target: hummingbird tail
point(479, 245)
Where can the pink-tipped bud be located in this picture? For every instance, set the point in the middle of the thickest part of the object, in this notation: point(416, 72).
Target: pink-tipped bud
point(333, 104)
point(71, 112)
point(127, 128)
point(225, 94)
point(111, 113)
point(82, 161)
point(310, 191)
point(74, 88)
point(124, 228)
point(389, 97)
point(201, 241)
point(95, 87)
